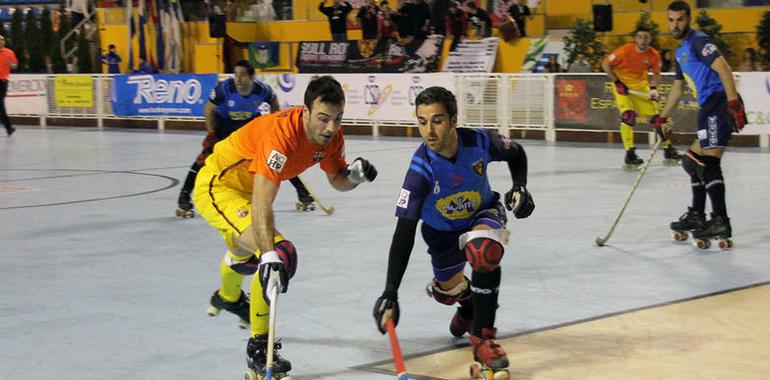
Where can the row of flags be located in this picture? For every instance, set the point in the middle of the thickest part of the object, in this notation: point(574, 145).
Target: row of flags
point(159, 30)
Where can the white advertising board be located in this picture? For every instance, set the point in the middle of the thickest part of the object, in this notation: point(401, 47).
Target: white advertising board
point(26, 95)
point(755, 91)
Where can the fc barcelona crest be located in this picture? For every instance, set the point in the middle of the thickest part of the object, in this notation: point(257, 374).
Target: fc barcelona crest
point(478, 168)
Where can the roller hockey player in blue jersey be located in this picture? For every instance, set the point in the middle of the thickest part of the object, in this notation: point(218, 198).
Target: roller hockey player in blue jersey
point(233, 103)
point(447, 188)
point(699, 63)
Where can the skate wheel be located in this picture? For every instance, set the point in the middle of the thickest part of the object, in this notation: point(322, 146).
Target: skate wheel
point(213, 311)
point(681, 235)
point(502, 375)
point(479, 371)
point(725, 244)
point(251, 375)
point(243, 325)
point(181, 213)
point(701, 243)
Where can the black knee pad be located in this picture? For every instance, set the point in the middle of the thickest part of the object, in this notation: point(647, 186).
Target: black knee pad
point(712, 170)
point(694, 166)
point(628, 117)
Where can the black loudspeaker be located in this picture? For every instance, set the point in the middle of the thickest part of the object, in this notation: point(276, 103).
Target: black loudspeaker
point(602, 17)
point(217, 26)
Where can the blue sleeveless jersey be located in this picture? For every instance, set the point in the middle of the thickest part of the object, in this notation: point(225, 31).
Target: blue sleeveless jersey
point(446, 194)
point(233, 110)
point(693, 64)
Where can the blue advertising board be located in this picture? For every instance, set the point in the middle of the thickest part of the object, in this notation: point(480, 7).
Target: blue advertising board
point(161, 94)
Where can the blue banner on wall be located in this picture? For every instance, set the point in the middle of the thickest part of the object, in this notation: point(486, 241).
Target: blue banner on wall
point(161, 94)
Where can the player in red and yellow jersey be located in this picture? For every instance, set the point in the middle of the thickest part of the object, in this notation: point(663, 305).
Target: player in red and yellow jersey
point(628, 67)
point(235, 190)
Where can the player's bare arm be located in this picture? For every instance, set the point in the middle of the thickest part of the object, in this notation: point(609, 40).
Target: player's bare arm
point(262, 217)
point(722, 68)
point(677, 89)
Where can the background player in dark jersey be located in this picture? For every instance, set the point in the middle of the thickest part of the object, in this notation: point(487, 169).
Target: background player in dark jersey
point(699, 62)
point(447, 188)
point(233, 103)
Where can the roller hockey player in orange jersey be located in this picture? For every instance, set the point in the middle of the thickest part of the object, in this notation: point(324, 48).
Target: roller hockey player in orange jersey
point(235, 190)
point(447, 188)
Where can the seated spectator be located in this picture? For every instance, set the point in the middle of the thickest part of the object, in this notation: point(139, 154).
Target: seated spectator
point(553, 64)
point(385, 25)
point(478, 20)
point(421, 19)
point(144, 67)
point(749, 62)
point(457, 24)
point(580, 65)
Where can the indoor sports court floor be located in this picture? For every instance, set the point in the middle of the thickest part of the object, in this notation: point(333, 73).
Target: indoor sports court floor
point(100, 280)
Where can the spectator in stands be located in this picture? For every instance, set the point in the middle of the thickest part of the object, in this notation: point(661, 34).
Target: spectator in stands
point(78, 11)
point(338, 18)
point(144, 67)
point(666, 61)
point(519, 11)
point(478, 20)
point(385, 25)
point(8, 62)
point(553, 64)
point(439, 10)
point(367, 17)
point(421, 19)
point(457, 24)
point(403, 19)
point(749, 62)
point(580, 65)
point(112, 60)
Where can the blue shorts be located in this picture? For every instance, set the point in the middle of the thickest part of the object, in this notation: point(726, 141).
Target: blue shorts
point(443, 246)
point(713, 129)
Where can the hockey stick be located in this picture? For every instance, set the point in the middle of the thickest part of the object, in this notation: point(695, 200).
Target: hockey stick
point(398, 359)
point(601, 241)
point(329, 210)
point(271, 333)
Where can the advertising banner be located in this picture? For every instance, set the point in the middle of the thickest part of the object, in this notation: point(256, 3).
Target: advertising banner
point(370, 56)
point(372, 97)
point(472, 56)
point(587, 102)
point(755, 91)
point(74, 91)
point(26, 95)
point(161, 95)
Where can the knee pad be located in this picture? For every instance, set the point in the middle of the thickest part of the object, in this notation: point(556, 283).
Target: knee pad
point(693, 165)
point(712, 172)
point(459, 293)
point(628, 117)
point(484, 253)
point(288, 254)
point(243, 265)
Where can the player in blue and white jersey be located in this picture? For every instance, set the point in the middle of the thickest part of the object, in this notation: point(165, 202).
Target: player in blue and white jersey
point(446, 186)
point(700, 64)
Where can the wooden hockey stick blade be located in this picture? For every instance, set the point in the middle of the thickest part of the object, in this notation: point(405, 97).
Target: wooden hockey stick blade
point(327, 210)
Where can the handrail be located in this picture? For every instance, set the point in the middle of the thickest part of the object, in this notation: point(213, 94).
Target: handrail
point(62, 45)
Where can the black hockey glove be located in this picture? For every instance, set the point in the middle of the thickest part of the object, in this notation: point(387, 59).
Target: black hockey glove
point(360, 171)
point(658, 123)
point(385, 308)
point(272, 273)
point(519, 201)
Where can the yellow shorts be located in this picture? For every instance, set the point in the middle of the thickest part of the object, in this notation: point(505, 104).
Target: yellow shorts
point(227, 210)
point(641, 104)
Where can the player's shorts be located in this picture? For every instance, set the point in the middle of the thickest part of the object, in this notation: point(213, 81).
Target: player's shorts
point(445, 254)
point(714, 131)
point(641, 104)
point(227, 210)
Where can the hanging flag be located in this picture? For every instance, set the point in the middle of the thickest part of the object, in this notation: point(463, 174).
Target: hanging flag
point(178, 22)
point(131, 33)
point(142, 22)
point(159, 37)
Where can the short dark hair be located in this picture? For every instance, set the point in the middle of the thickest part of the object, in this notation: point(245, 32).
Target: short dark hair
point(326, 89)
point(245, 64)
point(435, 94)
point(679, 5)
point(112, 46)
point(642, 28)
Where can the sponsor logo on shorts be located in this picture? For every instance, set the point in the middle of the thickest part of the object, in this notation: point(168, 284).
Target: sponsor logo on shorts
point(702, 134)
point(712, 130)
point(276, 161)
point(403, 199)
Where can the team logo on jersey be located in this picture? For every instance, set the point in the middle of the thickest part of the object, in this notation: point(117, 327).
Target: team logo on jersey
point(459, 205)
point(276, 161)
point(709, 49)
point(242, 212)
point(436, 188)
point(318, 156)
point(478, 168)
point(403, 199)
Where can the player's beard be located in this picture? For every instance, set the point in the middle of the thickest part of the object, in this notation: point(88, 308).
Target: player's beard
point(679, 36)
